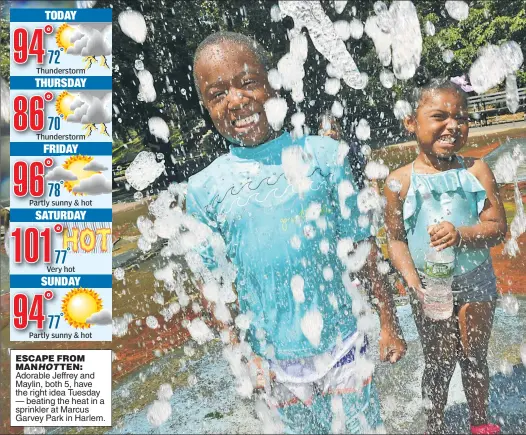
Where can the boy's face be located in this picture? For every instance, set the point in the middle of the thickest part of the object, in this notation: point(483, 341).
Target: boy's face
point(235, 87)
point(441, 122)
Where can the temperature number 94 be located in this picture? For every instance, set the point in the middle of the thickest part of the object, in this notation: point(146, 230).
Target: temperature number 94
point(27, 309)
point(25, 45)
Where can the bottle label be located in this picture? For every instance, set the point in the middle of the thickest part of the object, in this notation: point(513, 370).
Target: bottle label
point(439, 270)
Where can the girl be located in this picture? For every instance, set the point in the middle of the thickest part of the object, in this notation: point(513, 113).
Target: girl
point(474, 220)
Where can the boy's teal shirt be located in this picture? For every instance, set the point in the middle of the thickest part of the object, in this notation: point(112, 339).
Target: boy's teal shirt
point(245, 196)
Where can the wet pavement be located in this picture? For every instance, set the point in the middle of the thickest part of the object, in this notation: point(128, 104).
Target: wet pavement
point(213, 406)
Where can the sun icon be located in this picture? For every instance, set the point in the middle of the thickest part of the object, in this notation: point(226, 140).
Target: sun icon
point(78, 305)
point(63, 104)
point(76, 165)
point(63, 36)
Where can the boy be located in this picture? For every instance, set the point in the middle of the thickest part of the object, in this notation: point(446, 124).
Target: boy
point(290, 278)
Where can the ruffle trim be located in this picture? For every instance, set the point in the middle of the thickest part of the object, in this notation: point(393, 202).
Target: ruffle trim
point(443, 182)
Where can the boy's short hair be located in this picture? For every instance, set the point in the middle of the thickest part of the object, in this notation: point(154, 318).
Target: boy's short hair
point(237, 38)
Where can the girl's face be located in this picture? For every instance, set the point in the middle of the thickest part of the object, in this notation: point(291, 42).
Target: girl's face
point(235, 87)
point(441, 123)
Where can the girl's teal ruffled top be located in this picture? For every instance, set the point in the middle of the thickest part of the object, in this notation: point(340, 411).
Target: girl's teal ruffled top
point(456, 196)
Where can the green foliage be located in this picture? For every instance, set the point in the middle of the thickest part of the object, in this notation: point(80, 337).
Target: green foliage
point(176, 27)
point(488, 23)
point(180, 26)
point(4, 49)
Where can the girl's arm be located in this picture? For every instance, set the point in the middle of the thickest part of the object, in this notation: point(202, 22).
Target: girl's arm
point(394, 222)
point(491, 229)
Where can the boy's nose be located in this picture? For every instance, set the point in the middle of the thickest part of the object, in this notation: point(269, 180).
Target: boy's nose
point(236, 99)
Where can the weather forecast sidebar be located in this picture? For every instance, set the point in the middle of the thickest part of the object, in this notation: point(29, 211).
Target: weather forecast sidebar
point(60, 238)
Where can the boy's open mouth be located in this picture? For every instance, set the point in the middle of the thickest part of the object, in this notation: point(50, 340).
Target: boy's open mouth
point(246, 123)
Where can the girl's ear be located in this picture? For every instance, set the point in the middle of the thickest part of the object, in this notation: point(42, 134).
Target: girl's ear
point(410, 123)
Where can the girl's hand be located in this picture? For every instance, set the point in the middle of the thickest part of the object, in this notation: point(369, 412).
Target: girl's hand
point(443, 235)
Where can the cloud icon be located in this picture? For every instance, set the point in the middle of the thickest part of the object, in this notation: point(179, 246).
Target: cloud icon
point(95, 185)
point(95, 166)
point(90, 39)
point(60, 174)
point(102, 317)
point(91, 108)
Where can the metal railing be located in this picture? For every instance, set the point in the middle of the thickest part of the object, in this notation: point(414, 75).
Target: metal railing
point(481, 107)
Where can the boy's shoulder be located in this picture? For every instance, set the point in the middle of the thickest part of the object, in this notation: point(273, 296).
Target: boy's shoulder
point(215, 172)
point(321, 143)
point(325, 149)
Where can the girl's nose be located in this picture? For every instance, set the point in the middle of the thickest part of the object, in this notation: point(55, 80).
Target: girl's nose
point(452, 124)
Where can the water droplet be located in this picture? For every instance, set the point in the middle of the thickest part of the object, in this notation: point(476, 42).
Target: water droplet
point(447, 56)
point(429, 28)
point(394, 185)
point(192, 380)
point(510, 304)
point(118, 273)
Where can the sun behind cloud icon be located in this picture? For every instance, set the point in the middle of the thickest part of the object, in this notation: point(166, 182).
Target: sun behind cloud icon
point(78, 305)
point(63, 104)
point(63, 36)
point(76, 164)
point(89, 108)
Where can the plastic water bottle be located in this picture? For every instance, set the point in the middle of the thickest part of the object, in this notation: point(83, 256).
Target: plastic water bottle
point(438, 297)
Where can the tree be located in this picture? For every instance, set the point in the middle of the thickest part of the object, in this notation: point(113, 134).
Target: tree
point(4, 49)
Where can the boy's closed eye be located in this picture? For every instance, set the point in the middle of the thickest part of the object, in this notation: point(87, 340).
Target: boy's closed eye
point(217, 94)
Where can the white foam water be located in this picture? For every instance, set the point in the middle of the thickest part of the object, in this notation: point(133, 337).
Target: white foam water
point(133, 25)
